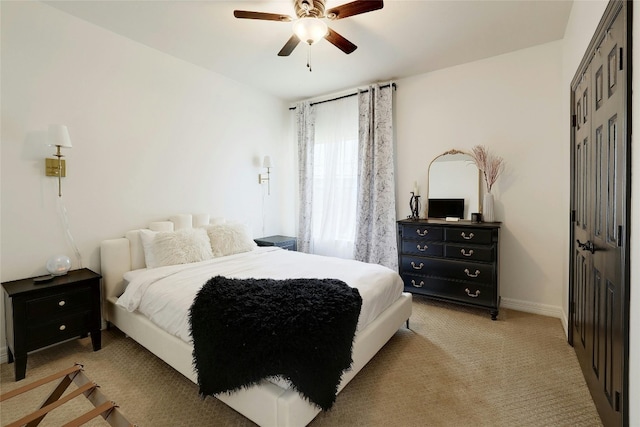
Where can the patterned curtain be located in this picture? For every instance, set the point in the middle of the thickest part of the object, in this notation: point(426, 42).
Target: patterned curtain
point(306, 134)
point(376, 212)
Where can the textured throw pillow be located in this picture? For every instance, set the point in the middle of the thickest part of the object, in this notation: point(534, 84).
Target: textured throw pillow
point(230, 238)
point(175, 247)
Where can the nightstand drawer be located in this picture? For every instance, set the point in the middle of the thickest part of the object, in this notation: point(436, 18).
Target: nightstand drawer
point(43, 308)
point(289, 246)
point(62, 328)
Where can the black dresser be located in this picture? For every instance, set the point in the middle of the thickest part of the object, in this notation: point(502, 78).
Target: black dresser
point(451, 261)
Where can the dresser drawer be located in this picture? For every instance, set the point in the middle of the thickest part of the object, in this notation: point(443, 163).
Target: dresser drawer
point(457, 270)
point(470, 252)
point(421, 232)
point(422, 247)
point(475, 236)
point(62, 328)
point(450, 290)
point(53, 305)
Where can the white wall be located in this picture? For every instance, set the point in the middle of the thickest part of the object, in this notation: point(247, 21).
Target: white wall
point(152, 136)
point(511, 104)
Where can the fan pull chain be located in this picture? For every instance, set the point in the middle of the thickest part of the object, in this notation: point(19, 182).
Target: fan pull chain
point(309, 58)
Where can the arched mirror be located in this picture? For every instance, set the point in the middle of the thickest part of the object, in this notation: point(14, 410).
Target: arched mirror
point(454, 186)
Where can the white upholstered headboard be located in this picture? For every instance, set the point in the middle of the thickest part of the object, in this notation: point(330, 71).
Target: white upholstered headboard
point(117, 256)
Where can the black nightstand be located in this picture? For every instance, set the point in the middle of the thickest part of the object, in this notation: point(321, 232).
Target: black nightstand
point(38, 315)
point(284, 242)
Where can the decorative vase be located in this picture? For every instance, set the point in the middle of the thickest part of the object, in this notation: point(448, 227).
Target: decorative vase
point(487, 208)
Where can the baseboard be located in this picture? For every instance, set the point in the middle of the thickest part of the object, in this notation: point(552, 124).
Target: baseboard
point(565, 323)
point(532, 307)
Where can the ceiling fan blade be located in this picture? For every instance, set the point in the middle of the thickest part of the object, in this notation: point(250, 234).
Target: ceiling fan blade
point(354, 8)
point(289, 46)
point(245, 14)
point(340, 42)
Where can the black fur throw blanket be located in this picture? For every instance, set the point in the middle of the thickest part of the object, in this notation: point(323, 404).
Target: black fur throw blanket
point(245, 330)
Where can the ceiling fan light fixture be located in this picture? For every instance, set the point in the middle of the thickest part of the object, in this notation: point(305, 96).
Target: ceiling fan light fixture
point(310, 30)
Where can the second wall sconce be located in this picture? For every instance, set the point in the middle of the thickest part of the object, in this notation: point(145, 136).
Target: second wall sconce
point(266, 163)
point(58, 136)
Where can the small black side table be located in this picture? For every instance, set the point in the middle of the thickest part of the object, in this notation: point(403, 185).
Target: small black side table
point(38, 314)
point(284, 242)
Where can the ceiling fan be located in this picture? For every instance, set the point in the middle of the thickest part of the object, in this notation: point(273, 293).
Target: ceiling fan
point(310, 27)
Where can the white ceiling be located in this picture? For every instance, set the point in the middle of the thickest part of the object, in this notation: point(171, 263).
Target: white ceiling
point(404, 38)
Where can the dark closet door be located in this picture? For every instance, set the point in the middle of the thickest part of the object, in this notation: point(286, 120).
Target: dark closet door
point(599, 327)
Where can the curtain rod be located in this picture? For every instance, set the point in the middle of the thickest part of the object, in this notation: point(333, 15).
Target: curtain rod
point(393, 85)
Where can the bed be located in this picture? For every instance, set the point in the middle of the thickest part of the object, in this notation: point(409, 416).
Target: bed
point(385, 308)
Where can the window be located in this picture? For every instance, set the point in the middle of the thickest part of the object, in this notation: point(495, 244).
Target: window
point(335, 178)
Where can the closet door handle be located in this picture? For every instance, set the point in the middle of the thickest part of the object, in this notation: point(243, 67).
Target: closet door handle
point(466, 253)
point(589, 246)
point(464, 236)
point(417, 267)
point(475, 274)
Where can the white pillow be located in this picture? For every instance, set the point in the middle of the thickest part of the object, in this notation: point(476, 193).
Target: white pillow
point(175, 247)
point(230, 238)
point(146, 237)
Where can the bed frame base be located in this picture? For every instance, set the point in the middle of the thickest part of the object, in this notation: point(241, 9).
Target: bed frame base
point(266, 404)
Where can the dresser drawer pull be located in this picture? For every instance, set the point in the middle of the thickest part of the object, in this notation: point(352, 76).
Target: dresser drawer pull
point(466, 253)
point(472, 295)
point(476, 274)
point(422, 248)
point(417, 267)
point(61, 303)
point(422, 233)
point(419, 285)
point(62, 327)
point(464, 236)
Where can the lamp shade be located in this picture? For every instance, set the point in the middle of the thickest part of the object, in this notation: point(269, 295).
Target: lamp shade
point(59, 135)
point(266, 162)
point(310, 29)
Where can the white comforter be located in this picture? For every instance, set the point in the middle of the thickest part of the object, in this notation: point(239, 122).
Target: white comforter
point(165, 294)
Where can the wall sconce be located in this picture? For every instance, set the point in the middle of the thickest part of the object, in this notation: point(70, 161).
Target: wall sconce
point(58, 136)
point(266, 163)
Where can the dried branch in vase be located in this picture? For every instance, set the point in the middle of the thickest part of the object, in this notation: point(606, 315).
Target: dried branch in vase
point(490, 164)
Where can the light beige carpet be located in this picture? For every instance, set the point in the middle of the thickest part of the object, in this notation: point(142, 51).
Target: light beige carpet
point(455, 367)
